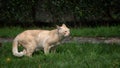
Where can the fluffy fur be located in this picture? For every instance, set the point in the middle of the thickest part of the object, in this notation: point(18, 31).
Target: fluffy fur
point(33, 40)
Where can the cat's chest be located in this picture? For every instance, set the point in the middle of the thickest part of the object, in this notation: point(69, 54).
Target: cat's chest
point(47, 38)
point(53, 40)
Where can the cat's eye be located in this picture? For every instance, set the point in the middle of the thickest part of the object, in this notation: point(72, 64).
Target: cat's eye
point(65, 31)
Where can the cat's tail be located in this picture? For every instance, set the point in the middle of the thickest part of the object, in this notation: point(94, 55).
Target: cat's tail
point(15, 49)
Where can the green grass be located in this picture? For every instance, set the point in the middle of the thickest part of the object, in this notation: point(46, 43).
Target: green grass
point(10, 31)
point(113, 31)
point(69, 55)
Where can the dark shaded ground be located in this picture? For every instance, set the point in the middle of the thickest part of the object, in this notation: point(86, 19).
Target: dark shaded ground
point(110, 40)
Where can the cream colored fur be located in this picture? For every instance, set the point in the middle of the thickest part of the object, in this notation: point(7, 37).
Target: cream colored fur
point(32, 40)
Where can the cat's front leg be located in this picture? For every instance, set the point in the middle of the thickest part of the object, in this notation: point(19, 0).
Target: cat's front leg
point(53, 48)
point(46, 49)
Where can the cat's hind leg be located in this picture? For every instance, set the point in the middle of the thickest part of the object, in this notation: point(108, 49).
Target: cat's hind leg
point(30, 49)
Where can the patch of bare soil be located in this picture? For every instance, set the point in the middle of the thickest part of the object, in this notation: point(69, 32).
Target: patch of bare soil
point(110, 40)
point(2, 40)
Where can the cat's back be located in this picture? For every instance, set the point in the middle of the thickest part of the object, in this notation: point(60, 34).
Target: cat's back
point(32, 33)
point(35, 32)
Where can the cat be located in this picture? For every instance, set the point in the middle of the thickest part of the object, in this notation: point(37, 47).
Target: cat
point(32, 40)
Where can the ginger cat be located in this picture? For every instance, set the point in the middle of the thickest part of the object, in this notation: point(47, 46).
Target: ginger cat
point(32, 40)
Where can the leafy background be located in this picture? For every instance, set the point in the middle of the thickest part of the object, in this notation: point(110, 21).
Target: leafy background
point(79, 12)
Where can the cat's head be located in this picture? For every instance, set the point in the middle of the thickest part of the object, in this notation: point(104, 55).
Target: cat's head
point(63, 30)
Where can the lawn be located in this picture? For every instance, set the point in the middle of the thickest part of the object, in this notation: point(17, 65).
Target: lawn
point(112, 31)
point(68, 55)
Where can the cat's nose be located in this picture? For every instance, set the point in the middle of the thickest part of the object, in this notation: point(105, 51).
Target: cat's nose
point(68, 34)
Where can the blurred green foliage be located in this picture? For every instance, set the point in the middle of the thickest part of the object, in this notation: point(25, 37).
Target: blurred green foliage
point(25, 10)
point(16, 10)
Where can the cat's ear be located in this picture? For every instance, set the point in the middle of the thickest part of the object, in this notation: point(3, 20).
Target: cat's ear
point(63, 25)
point(58, 27)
